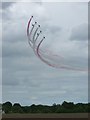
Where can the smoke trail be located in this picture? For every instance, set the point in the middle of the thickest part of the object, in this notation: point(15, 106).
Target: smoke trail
point(45, 55)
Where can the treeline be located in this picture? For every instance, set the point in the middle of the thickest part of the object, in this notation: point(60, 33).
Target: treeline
point(65, 107)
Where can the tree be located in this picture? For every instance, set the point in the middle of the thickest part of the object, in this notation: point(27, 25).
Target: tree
point(33, 108)
point(6, 107)
point(16, 108)
point(88, 107)
point(68, 105)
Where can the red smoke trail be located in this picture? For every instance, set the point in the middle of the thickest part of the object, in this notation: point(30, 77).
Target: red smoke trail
point(45, 55)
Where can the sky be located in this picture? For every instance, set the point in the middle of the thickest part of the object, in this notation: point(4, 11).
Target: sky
point(26, 79)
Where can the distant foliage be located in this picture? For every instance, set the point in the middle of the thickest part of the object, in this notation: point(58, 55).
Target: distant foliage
point(6, 107)
point(65, 107)
point(16, 108)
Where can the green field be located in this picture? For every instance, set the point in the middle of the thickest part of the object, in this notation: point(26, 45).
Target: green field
point(61, 115)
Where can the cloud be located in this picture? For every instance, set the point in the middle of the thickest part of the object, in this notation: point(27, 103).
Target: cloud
point(80, 32)
point(28, 80)
point(52, 29)
point(6, 5)
point(39, 2)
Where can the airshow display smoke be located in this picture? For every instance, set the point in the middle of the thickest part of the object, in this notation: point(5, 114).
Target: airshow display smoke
point(35, 42)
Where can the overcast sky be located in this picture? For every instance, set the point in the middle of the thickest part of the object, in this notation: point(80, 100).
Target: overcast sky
point(26, 79)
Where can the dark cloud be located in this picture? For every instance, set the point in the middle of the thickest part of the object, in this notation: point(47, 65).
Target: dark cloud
point(6, 5)
point(5, 10)
point(80, 33)
point(38, 3)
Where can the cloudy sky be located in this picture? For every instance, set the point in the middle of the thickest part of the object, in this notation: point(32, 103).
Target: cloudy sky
point(26, 79)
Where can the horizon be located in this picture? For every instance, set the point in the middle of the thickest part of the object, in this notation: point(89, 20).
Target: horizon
point(48, 104)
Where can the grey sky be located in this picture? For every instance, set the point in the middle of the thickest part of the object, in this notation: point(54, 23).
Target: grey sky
point(0, 53)
point(28, 80)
